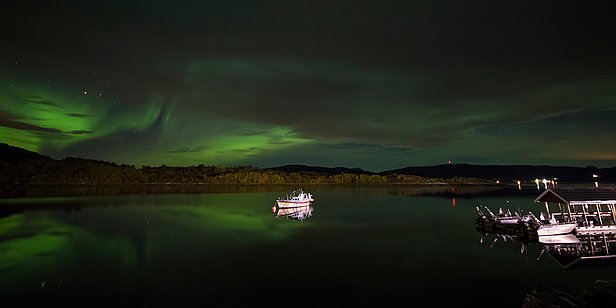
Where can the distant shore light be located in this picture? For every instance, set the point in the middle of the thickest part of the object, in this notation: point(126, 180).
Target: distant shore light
point(545, 183)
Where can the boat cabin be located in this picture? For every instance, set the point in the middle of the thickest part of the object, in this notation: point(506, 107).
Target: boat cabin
point(589, 207)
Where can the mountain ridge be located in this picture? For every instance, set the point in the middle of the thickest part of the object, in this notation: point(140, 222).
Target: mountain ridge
point(522, 172)
point(9, 155)
point(13, 153)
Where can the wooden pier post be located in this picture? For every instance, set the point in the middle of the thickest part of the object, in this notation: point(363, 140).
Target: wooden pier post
point(599, 213)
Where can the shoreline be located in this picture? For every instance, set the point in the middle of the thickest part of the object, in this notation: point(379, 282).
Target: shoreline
point(67, 190)
point(9, 191)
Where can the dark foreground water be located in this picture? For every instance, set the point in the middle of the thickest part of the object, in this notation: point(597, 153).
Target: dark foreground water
point(367, 246)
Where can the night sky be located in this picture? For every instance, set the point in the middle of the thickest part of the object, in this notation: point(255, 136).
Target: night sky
point(370, 84)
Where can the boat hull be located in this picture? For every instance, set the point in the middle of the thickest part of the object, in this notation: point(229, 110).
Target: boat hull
point(555, 229)
point(508, 221)
point(291, 204)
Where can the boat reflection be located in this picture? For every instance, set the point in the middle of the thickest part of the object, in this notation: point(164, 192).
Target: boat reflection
point(559, 239)
point(597, 250)
point(295, 213)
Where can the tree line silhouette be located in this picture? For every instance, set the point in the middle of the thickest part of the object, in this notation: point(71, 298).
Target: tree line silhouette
point(43, 170)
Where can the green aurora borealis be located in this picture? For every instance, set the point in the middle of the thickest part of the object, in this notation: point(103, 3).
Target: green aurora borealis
point(42, 119)
point(369, 84)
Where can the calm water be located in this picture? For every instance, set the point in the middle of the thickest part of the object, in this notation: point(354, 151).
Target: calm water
point(361, 246)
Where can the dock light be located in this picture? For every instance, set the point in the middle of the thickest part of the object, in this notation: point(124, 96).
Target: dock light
point(545, 183)
point(537, 182)
point(519, 185)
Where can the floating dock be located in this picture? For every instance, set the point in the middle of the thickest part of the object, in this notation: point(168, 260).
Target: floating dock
point(592, 210)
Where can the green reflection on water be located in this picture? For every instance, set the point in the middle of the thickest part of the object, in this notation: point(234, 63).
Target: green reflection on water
point(127, 237)
point(24, 240)
point(35, 248)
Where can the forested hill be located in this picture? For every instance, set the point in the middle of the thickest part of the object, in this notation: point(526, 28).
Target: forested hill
point(9, 153)
point(326, 170)
point(19, 166)
point(512, 172)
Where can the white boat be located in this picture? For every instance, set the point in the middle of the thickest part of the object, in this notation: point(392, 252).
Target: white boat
point(296, 199)
point(544, 227)
point(553, 227)
point(503, 217)
point(556, 229)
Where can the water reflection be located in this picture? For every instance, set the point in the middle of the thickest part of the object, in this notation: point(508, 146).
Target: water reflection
point(21, 191)
point(296, 213)
point(580, 251)
point(182, 249)
point(570, 251)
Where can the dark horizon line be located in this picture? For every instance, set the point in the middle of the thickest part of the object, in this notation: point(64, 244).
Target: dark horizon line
point(440, 165)
point(321, 166)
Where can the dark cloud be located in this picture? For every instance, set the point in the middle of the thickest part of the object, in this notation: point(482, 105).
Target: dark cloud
point(40, 100)
point(367, 146)
point(80, 132)
point(26, 126)
point(592, 124)
point(78, 115)
point(11, 121)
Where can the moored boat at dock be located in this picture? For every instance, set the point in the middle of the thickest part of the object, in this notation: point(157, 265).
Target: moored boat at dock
point(555, 229)
point(543, 226)
point(591, 210)
point(577, 227)
point(503, 217)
